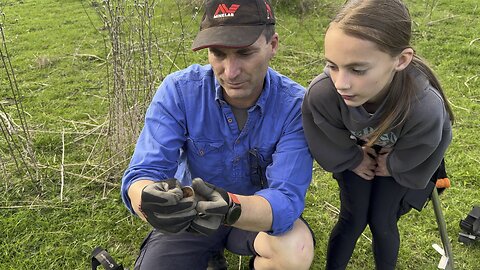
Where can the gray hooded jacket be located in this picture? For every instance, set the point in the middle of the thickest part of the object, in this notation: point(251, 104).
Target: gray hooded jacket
point(333, 131)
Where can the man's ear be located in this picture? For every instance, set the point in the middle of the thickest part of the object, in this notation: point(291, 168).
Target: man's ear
point(274, 43)
point(404, 59)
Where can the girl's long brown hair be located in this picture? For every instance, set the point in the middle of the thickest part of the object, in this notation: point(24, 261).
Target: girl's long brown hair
point(387, 23)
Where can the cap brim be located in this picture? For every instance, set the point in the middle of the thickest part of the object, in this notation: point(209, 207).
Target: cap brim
point(227, 36)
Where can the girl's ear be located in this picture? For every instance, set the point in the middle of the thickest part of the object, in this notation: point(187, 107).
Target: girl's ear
point(404, 59)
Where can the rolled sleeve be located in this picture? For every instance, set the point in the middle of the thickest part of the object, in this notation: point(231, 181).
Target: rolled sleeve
point(158, 147)
point(289, 177)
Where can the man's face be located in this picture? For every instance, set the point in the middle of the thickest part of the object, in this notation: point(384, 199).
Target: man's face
point(241, 71)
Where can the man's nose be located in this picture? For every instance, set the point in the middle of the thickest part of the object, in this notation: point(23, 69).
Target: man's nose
point(232, 67)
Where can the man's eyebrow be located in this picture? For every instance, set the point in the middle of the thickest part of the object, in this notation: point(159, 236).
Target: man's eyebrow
point(247, 49)
point(238, 51)
point(354, 64)
point(215, 50)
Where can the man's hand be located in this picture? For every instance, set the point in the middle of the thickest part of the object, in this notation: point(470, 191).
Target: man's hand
point(167, 206)
point(212, 206)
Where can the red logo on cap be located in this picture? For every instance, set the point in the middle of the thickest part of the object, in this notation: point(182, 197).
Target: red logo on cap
point(269, 11)
point(223, 11)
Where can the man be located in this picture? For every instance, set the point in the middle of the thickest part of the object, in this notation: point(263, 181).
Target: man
point(234, 127)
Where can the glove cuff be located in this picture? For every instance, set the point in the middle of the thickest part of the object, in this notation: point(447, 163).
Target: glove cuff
point(234, 209)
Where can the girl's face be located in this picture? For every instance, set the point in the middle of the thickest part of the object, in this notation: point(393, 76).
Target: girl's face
point(360, 71)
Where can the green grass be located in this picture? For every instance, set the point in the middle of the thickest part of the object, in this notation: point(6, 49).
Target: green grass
point(58, 54)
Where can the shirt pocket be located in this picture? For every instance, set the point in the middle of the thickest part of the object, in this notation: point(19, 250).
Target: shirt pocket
point(265, 156)
point(205, 158)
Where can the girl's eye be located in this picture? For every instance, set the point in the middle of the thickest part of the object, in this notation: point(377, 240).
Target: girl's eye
point(331, 67)
point(359, 71)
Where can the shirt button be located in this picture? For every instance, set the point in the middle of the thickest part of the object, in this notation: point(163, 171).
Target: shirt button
point(201, 152)
point(230, 120)
point(237, 141)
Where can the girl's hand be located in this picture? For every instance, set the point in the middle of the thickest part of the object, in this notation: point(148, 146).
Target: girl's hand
point(366, 169)
point(381, 160)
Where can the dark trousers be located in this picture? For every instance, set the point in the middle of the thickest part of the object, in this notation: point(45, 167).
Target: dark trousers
point(374, 202)
point(188, 251)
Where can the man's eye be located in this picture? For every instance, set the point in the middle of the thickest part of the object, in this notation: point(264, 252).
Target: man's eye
point(245, 53)
point(217, 54)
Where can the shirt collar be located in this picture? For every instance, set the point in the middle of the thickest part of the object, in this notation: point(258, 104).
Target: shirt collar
point(261, 101)
point(218, 92)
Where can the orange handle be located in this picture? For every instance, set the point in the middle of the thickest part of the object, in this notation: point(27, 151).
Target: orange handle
point(443, 183)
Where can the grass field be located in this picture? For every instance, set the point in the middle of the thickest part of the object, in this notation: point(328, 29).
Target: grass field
point(60, 54)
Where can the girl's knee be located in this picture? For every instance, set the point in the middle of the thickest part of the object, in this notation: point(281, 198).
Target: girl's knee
point(352, 225)
point(382, 225)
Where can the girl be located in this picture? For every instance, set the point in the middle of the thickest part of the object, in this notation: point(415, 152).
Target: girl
point(378, 119)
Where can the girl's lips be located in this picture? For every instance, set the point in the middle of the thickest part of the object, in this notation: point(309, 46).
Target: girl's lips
point(347, 97)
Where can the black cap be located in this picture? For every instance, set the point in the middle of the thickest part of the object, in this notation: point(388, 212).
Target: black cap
point(233, 24)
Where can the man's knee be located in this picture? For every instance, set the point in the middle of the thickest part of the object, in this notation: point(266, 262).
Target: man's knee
point(293, 250)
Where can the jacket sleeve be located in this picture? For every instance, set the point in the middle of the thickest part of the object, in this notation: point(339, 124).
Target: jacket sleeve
point(327, 137)
point(422, 143)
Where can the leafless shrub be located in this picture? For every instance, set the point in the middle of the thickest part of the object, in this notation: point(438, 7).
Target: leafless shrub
point(136, 59)
point(15, 143)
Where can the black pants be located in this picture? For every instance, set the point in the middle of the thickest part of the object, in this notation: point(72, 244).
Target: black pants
point(374, 202)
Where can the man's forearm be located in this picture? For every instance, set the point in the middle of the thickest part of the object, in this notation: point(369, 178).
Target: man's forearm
point(135, 195)
point(256, 214)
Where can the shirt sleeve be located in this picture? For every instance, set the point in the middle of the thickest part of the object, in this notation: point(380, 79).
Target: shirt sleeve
point(289, 175)
point(327, 137)
point(158, 146)
point(422, 144)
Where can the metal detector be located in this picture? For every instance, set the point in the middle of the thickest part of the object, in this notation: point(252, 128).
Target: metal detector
point(446, 262)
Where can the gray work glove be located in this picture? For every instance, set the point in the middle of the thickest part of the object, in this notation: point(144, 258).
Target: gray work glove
point(213, 204)
point(167, 206)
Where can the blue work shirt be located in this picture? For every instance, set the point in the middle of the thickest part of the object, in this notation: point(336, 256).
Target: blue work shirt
point(190, 131)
